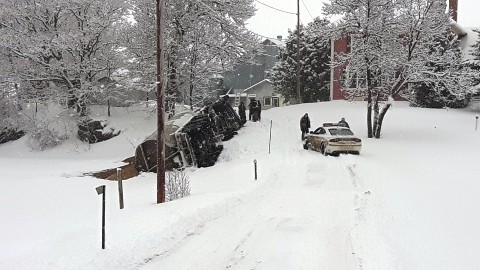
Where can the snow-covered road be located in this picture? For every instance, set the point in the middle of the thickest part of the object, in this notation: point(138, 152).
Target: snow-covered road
point(300, 217)
point(408, 201)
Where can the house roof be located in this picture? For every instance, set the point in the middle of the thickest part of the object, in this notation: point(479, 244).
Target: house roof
point(466, 44)
point(257, 84)
point(276, 42)
point(468, 37)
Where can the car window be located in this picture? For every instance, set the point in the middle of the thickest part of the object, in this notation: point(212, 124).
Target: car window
point(340, 132)
point(319, 130)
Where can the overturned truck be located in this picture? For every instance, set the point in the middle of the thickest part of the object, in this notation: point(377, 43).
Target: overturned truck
point(192, 138)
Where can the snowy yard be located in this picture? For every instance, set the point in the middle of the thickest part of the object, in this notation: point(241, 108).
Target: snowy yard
point(410, 200)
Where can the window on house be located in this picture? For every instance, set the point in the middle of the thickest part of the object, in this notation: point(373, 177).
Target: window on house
point(267, 101)
point(354, 80)
point(275, 102)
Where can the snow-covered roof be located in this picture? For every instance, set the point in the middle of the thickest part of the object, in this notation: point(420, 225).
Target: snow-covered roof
point(255, 85)
point(277, 42)
point(457, 28)
point(231, 90)
point(468, 38)
point(467, 43)
point(234, 95)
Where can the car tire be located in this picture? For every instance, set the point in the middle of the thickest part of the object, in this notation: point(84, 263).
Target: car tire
point(305, 146)
point(323, 149)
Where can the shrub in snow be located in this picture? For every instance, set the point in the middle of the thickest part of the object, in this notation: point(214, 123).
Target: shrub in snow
point(93, 131)
point(427, 97)
point(177, 185)
point(43, 136)
point(10, 134)
point(10, 120)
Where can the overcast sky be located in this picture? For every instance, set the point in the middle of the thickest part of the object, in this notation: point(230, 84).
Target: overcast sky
point(271, 23)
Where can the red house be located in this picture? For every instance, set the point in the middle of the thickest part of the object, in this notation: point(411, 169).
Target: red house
point(466, 35)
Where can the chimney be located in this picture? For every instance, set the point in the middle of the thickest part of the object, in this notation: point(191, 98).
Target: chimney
point(453, 7)
point(279, 37)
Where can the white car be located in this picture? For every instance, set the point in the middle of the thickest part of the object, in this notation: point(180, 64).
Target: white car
point(333, 139)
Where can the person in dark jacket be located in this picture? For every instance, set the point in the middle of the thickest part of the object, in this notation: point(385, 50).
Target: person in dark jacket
point(259, 110)
point(253, 107)
point(304, 125)
point(241, 112)
point(343, 122)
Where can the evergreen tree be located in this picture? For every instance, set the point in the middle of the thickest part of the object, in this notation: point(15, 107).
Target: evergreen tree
point(314, 72)
point(474, 64)
point(445, 55)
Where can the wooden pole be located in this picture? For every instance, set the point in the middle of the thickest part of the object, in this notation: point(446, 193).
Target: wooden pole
point(102, 190)
point(103, 217)
point(270, 140)
point(160, 108)
point(120, 187)
point(299, 96)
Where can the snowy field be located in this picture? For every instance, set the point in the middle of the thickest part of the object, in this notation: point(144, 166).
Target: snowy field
point(410, 200)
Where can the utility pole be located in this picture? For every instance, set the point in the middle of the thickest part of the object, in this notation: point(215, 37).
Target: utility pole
point(160, 108)
point(299, 96)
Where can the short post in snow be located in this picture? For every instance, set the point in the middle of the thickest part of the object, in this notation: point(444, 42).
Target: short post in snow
point(270, 140)
point(255, 167)
point(476, 122)
point(120, 187)
point(101, 190)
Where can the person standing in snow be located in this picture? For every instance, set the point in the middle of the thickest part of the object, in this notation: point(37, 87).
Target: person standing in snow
point(241, 112)
point(304, 125)
point(259, 110)
point(343, 122)
point(253, 109)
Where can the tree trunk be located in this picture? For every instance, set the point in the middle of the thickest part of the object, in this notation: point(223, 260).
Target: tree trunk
point(71, 98)
point(191, 93)
point(381, 116)
point(369, 115)
point(108, 107)
point(375, 111)
point(369, 104)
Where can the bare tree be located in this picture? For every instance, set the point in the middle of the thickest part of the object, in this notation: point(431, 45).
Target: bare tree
point(391, 46)
point(203, 39)
point(60, 45)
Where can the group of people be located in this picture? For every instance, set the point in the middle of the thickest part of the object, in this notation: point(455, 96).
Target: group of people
point(305, 124)
point(254, 111)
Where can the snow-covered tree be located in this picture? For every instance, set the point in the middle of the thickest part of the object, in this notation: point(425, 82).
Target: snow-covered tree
point(59, 47)
point(315, 70)
point(202, 39)
point(392, 44)
point(474, 63)
point(441, 93)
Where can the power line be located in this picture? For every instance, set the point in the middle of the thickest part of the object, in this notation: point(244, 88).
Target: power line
point(288, 12)
point(308, 11)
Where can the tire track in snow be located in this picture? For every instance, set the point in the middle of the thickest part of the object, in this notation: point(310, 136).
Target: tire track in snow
point(360, 205)
point(299, 220)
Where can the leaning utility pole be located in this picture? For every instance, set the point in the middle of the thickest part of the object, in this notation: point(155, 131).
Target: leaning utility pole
point(160, 108)
point(299, 96)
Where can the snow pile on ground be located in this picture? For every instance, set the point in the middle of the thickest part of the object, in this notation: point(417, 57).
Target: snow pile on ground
point(409, 201)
